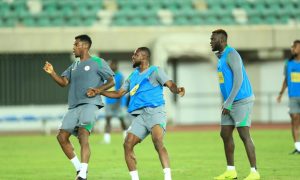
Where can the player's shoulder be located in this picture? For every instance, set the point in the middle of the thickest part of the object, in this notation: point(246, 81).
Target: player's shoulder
point(155, 68)
point(99, 61)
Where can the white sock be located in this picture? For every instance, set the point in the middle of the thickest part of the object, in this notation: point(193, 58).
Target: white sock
point(297, 146)
point(124, 134)
point(230, 168)
point(83, 170)
point(75, 161)
point(134, 175)
point(167, 172)
point(106, 138)
point(252, 169)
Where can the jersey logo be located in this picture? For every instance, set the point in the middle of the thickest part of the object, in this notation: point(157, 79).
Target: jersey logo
point(295, 77)
point(221, 77)
point(86, 68)
point(134, 89)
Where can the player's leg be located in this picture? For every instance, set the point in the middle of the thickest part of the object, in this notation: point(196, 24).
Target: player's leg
point(67, 128)
point(157, 133)
point(122, 114)
point(129, 143)
point(136, 133)
point(65, 144)
point(226, 135)
point(86, 122)
point(123, 125)
point(295, 118)
point(156, 123)
point(227, 127)
point(83, 137)
point(107, 130)
point(109, 110)
point(248, 143)
point(294, 110)
point(242, 116)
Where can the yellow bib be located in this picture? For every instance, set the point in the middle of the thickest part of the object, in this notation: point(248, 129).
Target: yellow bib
point(221, 77)
point(134, 89)
point(295, 77)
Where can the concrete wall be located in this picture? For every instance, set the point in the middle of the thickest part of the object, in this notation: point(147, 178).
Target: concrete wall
point(114, 39)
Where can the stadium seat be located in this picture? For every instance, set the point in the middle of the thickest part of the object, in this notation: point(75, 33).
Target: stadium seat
point(59, 13)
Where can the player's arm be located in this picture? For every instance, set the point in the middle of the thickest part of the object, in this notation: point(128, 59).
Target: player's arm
point(235, 63)
point(174, 89)
point(110, 82)
point(283, 87)
point(94, 91)
point(114, 94)
point(284, 83)
point(119, 93)
point(60, 80)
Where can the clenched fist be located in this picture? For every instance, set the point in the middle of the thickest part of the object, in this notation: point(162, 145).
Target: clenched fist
point(48, 67)
point(181, 91)
point(91, 92)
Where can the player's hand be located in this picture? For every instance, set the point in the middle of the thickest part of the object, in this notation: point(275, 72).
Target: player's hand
point(279, 98)
point(225, 111)
point(181, 91)
point(48, 68)
point(91, 92)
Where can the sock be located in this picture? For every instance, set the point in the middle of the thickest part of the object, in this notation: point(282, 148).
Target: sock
point(124, 134)
point(167, 172)
point(83, 170)
point(134, 175)
point(252, 169)
point(106, 138)
point(297, 146)
point(230, 168)
point(75, 161)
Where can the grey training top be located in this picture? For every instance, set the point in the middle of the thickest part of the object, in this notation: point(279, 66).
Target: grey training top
point(83, 75)
point(158, 77)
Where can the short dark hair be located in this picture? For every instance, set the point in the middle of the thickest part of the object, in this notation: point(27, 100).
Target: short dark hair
point(222, 32)
point(297, 41)
point(113, 61)
point(146, 50)
point(85, 38)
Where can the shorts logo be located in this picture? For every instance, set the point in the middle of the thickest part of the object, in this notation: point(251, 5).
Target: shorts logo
point(86, 68)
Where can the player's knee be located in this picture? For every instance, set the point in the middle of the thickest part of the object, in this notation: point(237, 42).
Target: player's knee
point(128, 144)
point(83, 139)
point(61, 139)
point(224, 135)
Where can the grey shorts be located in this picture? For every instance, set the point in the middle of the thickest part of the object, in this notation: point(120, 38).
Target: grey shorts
point(81, 116)
point(115, 110)
point(294, 105)
point(143, 123)
point(240, 114)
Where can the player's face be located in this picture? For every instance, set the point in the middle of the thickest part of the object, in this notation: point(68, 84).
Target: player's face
point(137, 58)
point(77, 48)
point(113, 66)
point(215, 42)
point(295, 49)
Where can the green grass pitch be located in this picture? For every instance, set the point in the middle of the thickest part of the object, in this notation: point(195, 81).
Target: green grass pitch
point(194, 156)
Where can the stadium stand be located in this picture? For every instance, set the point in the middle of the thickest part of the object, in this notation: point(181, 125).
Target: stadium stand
point(57, 13)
